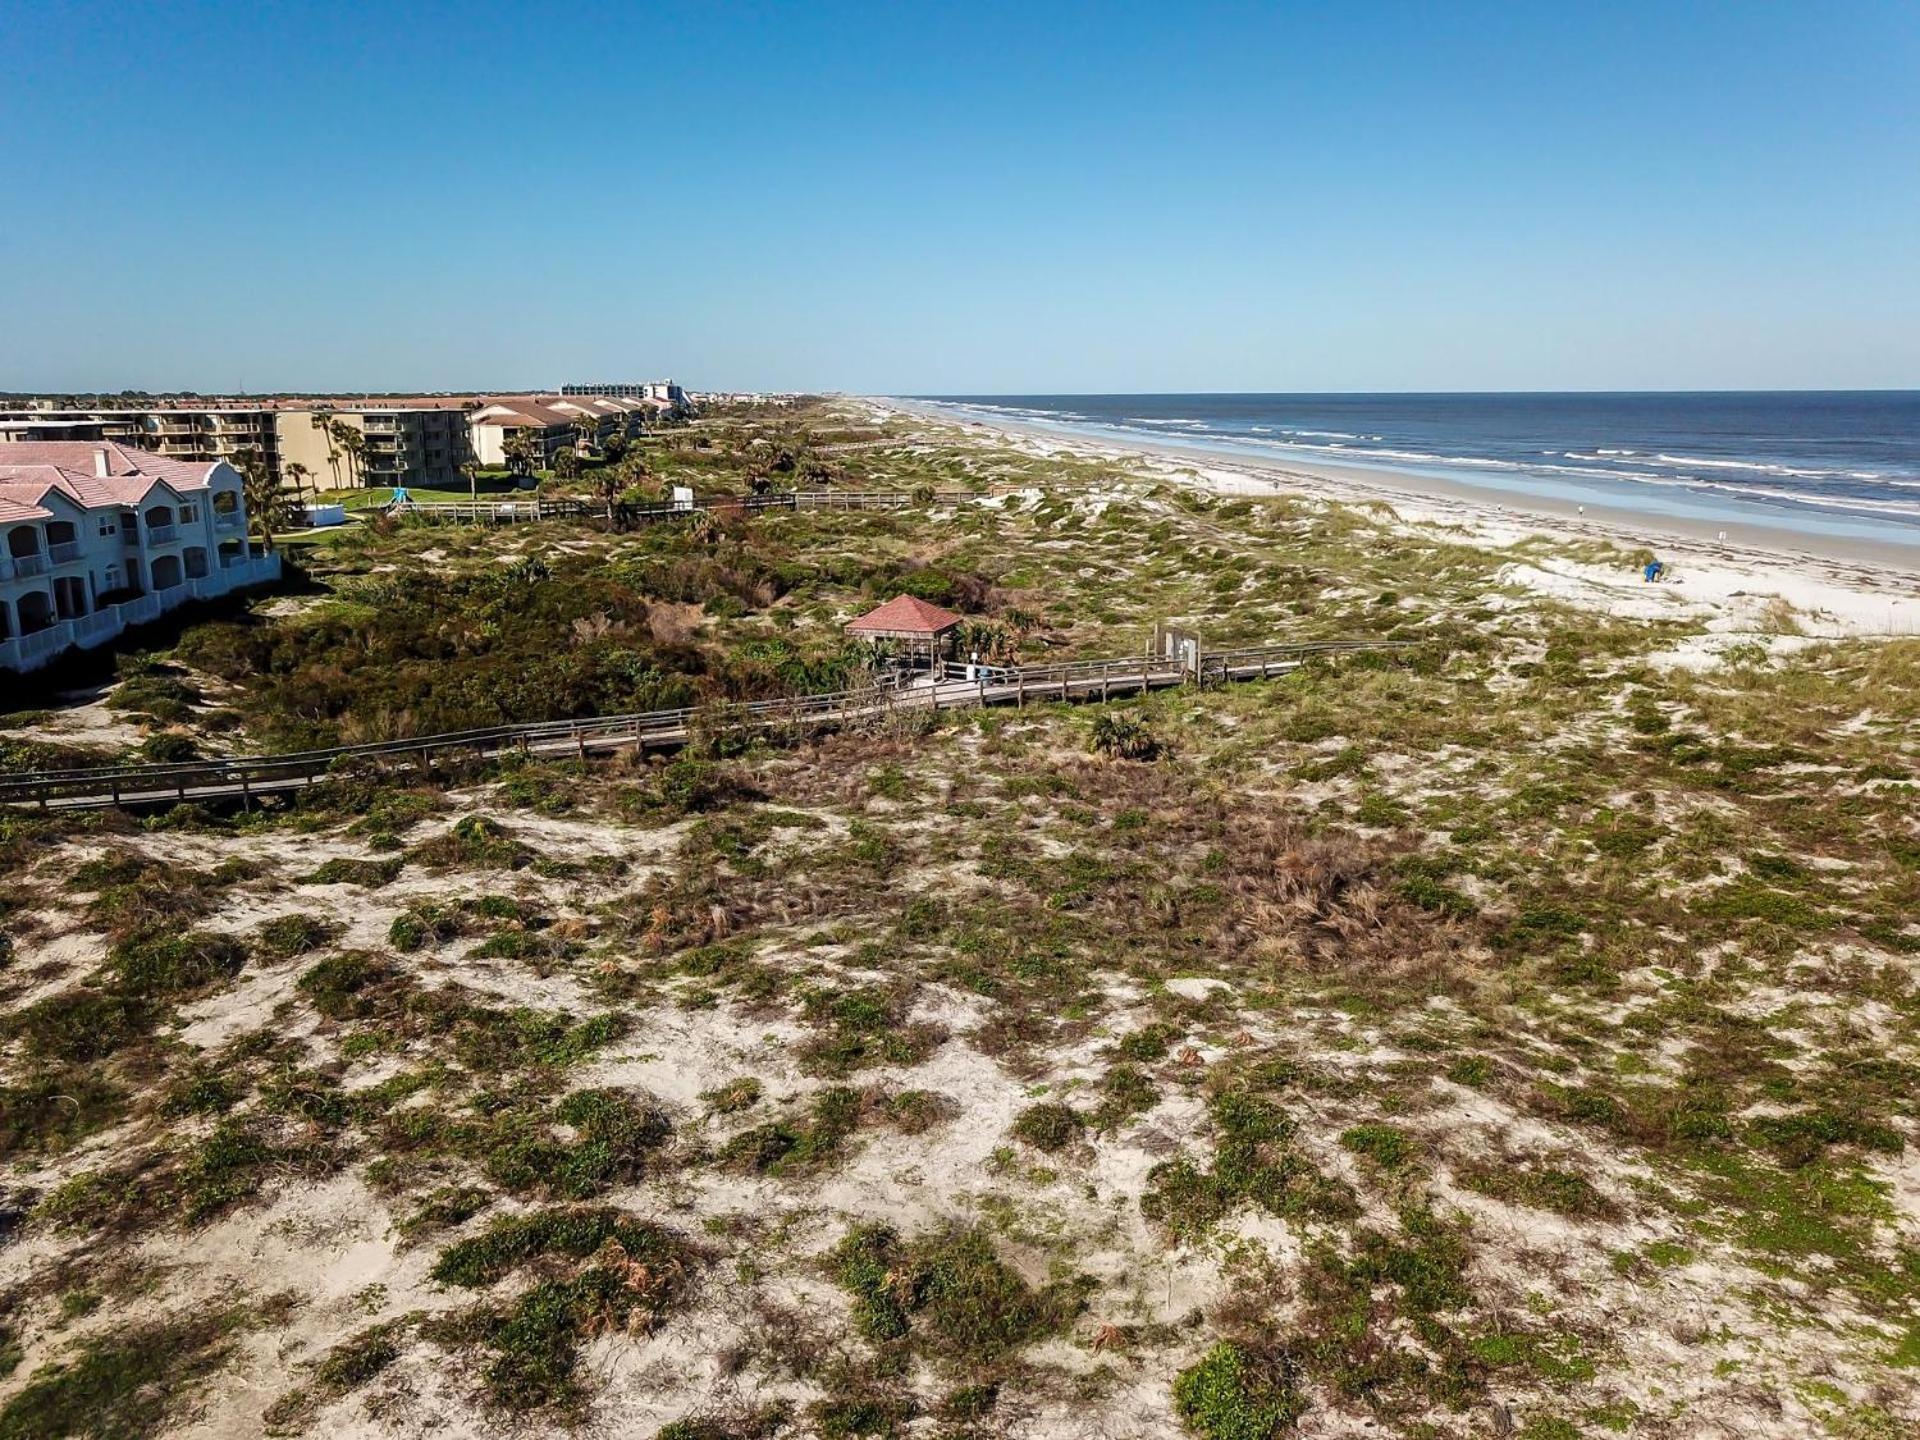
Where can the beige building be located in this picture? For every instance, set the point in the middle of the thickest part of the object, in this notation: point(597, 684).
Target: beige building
point(192, 433)
point(407, 443)
point(412, 440)
point(549, 424)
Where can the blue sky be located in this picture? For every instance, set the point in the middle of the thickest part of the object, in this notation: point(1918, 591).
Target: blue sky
point(968, 198)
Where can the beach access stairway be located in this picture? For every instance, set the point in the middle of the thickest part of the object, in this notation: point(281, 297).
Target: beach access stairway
point(243, 777)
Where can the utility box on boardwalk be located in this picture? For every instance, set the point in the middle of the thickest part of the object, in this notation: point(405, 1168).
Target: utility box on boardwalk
point(1170, 642)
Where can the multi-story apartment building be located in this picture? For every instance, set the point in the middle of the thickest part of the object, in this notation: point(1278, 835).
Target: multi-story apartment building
point(549, 424)
point(96, 536)
point(666, 392)
point(410, 442)
point(185, 432)
point(414, 440)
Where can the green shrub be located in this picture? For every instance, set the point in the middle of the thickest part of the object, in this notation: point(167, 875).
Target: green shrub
point(1236, 1392)
point(513, 1241)
point(81, 1024)
point(1121, 736)
point(370, 874)
point(122, 1384)
point(166, 966)
point(1048, 1126)
point(286, 936)
point(337, 986)
point(52, 1110)
point(947, 1293)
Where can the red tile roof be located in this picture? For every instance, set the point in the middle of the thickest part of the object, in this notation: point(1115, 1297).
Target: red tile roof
point(71, 466)
point(13, 511)
point(904, 615)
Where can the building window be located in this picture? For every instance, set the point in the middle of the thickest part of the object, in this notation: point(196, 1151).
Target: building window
point(189, 514)
point(108, 527)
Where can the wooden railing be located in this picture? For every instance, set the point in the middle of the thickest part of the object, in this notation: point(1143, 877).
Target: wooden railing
point(510, 512)
point(244, 776)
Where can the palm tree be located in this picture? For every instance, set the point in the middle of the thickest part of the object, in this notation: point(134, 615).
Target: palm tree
point(299, 474)
point(260, 488)
point(609, 483)
point(518, 448)
point(355, 444)
point(322, 420)
point(471, 469)
point(586, 431)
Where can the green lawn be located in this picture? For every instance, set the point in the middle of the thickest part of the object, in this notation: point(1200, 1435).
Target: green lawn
point(491, 487)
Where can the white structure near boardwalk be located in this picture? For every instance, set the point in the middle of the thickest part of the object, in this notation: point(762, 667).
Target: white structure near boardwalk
point(96, 536)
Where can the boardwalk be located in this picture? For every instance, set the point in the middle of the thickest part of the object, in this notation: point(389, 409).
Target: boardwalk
point(521, 512)
point(244, 777)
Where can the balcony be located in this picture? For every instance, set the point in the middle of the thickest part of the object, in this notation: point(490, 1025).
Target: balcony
point(26, 566)
point(228, 520)
point(64, 553)
point(162, 534)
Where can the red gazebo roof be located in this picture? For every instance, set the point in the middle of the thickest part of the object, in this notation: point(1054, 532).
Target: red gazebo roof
point(904, 615)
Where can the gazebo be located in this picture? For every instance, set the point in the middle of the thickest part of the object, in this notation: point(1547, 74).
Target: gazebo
point(921, 629)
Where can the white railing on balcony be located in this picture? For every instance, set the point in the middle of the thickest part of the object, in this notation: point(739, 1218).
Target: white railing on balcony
point(97, 628)
point(65, 553)
point(26, 565)
point(24, 652)
point(29, 652)
point(162, 534)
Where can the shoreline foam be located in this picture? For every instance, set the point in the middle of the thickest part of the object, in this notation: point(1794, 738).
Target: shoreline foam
point(1834, 588)
point(1367, 478)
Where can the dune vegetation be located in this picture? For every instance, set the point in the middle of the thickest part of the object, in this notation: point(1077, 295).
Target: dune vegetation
point(1513, 1033)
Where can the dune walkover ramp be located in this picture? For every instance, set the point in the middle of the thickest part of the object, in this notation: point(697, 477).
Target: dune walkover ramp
point(241, 777)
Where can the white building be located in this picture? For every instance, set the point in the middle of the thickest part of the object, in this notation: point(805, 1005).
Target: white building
point(96, 536)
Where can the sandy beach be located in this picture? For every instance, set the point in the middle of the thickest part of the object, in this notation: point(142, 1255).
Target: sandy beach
point(1834, 586)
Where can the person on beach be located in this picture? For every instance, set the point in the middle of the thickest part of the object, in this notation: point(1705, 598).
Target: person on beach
point(1654, 571)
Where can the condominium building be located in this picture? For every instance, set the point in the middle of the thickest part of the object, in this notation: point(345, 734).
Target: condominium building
point(664, 392)
point(408, 441)
point(412, 442)
point(96, 536)
point(549, 424)
point(195, 433)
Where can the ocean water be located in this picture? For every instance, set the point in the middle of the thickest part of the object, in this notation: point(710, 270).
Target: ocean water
point(1820, 462)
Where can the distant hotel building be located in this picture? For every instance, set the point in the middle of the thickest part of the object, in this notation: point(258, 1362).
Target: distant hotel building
point(97, 536)
point(667, 391)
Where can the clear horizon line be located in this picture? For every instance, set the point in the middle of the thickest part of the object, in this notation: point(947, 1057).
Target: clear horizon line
point(1320, 394)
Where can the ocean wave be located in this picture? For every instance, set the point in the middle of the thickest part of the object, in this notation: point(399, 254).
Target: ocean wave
point(1830, 502)
point(1805, 485)
point(1756, 466)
